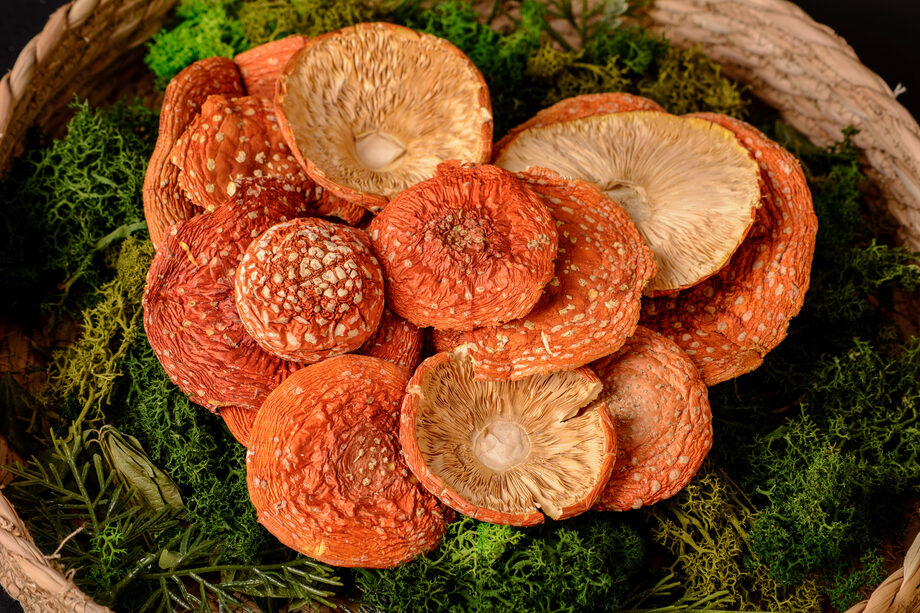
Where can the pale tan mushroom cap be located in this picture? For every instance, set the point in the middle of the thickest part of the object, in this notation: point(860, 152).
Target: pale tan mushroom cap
point(506, 451)
point(688, 185)
point(374, 108)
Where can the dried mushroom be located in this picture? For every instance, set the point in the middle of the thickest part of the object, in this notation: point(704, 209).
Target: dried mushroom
point(165, 203)
point(730, 321)
point(396, 340)
point(325, 471)
point(689, 186)
point(230, 139)
point(592, 303)
point(374, 108)
point(507, 451)
point(471, 247)
point(190, 312)
point(660, 408)
point(307, 289)
point(261, 66)
point(239, 421)
point(577, 107)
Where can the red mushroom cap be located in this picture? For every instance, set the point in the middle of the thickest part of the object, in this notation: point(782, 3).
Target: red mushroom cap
point(471, 247)
point(660, 408)
point(261, 66)
point(189, 308)
point(325, 471)
point(307, 289)
point(727, 323)
point(396, 340)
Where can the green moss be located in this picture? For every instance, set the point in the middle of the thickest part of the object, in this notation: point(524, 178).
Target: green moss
point(195, 448)
point(687, 81)
point(266, 20)
point(205, 28)
point(319, 16)
point(706, 528)
point(66, 203)
point(82, 377)
point(580, 565)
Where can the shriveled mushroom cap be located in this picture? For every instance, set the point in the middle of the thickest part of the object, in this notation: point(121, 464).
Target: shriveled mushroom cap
point(396, 340)
point(473, 246)
point(239, 421)
point(689, 186)
point(307, 289)
point(592, 303)
point(729, 322)
point(165, 203)
point(189, 309)
point(374, 108)
point(230, 139)
point(261, 66)
point(660, 408)
point(506, 451)
point(325, 472)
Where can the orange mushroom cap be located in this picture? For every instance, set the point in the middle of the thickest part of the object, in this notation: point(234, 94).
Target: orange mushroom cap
point(239, 421)
point(729, 322)
point(190, 312)
point(230, 139)
point(165, 203)
point(374, 108)
point(507, 452)
point(396, 340)
point(325, 471)
point(261, 66)
point(473, 246)
point(307, 289)
point(592, 304)
point(660, 408)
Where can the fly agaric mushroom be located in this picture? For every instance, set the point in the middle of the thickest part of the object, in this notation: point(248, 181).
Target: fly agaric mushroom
point(239, 421)
point(660, 408)
point(189, 308)
point(230, 139)
point(688, 184)
point(374, 108)
point(261, 66)
point(165, 203)
point(592, 304)
point(507, 452)
point(307, 289)
point(471, 247)
point(577, 107)
point(396, 340)
point(325, 471)
point(728, 323)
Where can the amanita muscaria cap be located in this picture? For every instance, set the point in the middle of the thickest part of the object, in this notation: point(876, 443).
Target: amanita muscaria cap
point(660, 408)
point(590, 306)
point(261, 66)
point(689, 186)
point(165, 202)
point(189, 308)
point(395, 340)
point(374, 108)
point(507, 452)
point(233, 138)
point(307, 289)
point(325, 471)
point(473, 246)
point(239, 421)
point(730, 321)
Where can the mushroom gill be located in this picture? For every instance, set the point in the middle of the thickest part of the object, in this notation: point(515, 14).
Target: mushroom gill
point(502, 451)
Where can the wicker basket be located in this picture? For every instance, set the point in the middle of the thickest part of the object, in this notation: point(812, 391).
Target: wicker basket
point(801, 68)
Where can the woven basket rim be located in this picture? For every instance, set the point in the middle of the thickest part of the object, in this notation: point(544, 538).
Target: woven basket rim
point(771, 45)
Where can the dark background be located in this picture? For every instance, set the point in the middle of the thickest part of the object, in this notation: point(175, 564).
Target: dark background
point(884, 33)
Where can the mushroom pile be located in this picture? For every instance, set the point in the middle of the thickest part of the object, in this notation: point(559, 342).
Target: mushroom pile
point(321, 207)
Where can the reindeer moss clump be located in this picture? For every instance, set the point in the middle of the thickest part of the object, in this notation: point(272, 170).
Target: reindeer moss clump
point(67, 203)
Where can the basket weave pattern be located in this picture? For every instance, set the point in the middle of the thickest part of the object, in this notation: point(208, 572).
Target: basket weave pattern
point(796, 65)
